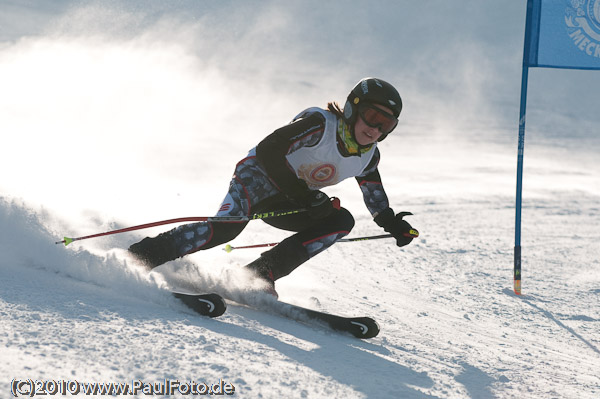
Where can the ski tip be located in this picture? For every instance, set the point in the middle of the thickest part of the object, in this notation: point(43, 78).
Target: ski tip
point(211, 305)
point(219, 307)
point(364, 327)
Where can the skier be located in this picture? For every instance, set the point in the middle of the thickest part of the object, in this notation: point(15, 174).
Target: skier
point(287, 170)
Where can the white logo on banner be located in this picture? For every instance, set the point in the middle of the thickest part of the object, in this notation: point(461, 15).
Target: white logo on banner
point(583, 21)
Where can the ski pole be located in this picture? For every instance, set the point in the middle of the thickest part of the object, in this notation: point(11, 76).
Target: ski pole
point(413, 233)
point(263, 215)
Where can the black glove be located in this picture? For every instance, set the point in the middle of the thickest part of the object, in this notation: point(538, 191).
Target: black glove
point(318, 205)
point(400, 229)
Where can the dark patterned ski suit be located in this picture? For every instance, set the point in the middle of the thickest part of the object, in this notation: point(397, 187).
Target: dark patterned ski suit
point(266, 180)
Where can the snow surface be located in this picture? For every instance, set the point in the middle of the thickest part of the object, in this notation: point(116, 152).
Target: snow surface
point(117, 114)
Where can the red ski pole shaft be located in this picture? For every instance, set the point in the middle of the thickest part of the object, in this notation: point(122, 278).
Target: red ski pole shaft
point(68, 240)
point(254, 216)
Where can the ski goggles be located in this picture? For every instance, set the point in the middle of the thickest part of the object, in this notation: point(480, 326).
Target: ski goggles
point(376, 117)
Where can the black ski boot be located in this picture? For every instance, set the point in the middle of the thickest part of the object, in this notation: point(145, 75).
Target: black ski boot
point(155, 251)
point(279, 262)
point(263, 272)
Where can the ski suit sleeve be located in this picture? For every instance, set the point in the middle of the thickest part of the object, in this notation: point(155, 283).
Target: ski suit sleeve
point(271, 153)
point(370, 184)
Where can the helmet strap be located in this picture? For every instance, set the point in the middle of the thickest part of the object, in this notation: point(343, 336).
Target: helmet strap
point(346, 136)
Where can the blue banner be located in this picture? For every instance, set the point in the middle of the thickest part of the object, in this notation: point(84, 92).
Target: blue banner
point(564, 34)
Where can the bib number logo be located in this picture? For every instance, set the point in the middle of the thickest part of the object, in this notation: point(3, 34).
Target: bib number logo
point(323, 173)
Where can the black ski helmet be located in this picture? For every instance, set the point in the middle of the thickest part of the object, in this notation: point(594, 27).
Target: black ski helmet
point(374, 91)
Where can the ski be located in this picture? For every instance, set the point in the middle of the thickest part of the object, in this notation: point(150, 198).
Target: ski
point(360, 327)
point(211, 305)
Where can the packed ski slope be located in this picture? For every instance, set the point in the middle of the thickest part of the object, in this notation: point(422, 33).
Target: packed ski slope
point(141, 116)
